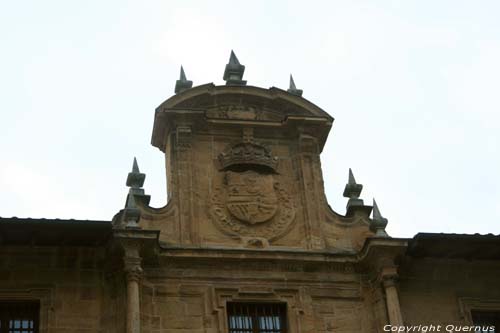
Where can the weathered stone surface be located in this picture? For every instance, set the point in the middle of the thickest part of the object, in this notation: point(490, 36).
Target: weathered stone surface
point(247, 220)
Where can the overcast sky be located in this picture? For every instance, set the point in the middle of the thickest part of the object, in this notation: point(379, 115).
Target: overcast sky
point(413, 87)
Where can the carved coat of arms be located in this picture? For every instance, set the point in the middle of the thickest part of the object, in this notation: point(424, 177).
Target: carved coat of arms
point(251, 197)
point(250, 201)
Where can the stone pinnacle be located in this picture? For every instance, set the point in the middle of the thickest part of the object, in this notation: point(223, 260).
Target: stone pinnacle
point(135, 166)
point(135, 178)
point(351, 180)
point(183, 83)
point(293, 89)
point(183, 75)
point(376, 211)
point(233, 73)
point(352, 191)
point(379, 222)
point(131, 213)
point(292, 83)
point(233, 60)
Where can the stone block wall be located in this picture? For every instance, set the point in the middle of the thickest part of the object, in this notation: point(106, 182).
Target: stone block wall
point(80, 292)
point(181, 298)
point(438, 291)
point(74, 293)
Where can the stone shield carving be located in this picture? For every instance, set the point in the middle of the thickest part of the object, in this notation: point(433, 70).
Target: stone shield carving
point(251, 197)
point(252, 204)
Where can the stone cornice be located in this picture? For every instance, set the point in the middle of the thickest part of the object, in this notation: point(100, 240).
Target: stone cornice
point(389, 248)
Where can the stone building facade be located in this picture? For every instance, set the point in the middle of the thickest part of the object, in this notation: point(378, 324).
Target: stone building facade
point(246, 243)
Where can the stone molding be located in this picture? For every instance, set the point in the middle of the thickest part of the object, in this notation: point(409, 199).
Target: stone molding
point(43, 294)
point(132, 261)
point(389, 276)
point(467, 304)
point(292, 297)
point(132, 268)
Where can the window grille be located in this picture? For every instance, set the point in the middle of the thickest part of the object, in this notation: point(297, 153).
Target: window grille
point(256, 317)
point(19, 317)
point(486, 319)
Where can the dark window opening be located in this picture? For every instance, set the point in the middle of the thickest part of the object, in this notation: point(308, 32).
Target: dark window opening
point(19, 317)
point(256, 317)
point(488, 320)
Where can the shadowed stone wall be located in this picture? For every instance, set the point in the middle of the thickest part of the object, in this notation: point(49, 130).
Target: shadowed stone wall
point(75, 293)
point(441, 291)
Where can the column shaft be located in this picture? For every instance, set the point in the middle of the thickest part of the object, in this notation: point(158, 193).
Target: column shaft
point(392, 301)
point(133, 306)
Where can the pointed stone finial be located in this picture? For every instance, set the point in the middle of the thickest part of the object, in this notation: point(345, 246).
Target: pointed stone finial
point(378, 222)
point(135, 178)
point(352, 191)
point(233, 74)
point(135, 166)
point(293, 89)
point(376, 212)
point(351, 180)
point(183, 83)
point(183, 75)
point(233, 60)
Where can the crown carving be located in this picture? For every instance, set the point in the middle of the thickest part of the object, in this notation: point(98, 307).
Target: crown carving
point(247, 153)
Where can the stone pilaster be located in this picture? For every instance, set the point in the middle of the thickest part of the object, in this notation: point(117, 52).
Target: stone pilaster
point(185, 185)
point(129, 247)
point(133, 273)
point(379, 307)
point(389, 278)
point(311, 190)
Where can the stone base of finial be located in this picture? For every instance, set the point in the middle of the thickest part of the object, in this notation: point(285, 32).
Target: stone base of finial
point(378, 227)
point(355, 205)
point(296, 92)
point(180, 86)
point(230, 82)
point(381, 233)
point(355, 202)
point(358, 209)
point(129, 217)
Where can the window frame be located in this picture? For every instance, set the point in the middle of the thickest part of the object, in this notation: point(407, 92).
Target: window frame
point(469, 304)
point(43, 295)
point(26, 310)
point(496, 313)
point(218, 297)
point(256, 310)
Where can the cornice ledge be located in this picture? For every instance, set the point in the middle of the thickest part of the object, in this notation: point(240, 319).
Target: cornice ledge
point(258, 254)
point(381, 243)
point(139, 234)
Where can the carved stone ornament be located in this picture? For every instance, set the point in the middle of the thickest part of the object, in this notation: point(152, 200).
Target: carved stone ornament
point(252, 204)
point(242, 112)
point(134, 274)
point(251, 197)
point(247, 153)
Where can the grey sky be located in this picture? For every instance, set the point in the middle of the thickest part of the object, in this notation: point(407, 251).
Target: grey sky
point(413, 87)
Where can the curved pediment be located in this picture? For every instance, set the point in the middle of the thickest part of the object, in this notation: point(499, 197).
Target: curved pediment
point(208, 96)
point(243, 103)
